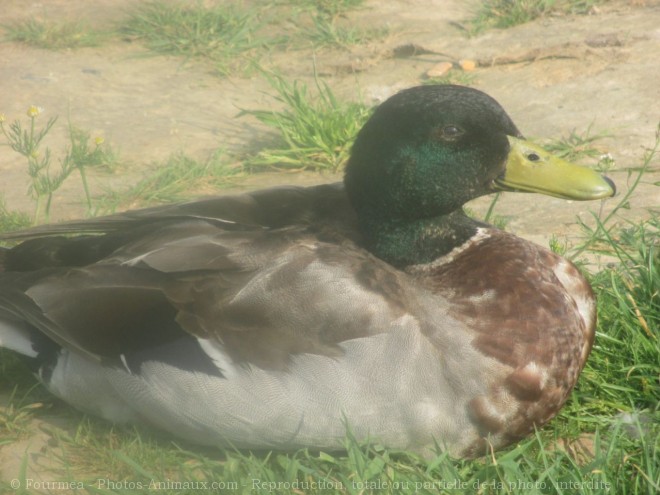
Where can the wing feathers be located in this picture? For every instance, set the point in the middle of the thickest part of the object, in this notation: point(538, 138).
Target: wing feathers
point(268, 208)
point(260, 302)
point(263, 276)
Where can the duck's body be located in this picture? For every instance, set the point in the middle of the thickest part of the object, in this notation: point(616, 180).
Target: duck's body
point(285, 317)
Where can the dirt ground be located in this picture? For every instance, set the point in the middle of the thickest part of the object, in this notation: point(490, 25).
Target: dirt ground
point(552, 76)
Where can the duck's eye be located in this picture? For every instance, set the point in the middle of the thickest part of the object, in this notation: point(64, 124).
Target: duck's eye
point(448, 133)
point(533, 157)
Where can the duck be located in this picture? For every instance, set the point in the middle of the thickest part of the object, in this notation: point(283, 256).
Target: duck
point(286, 317)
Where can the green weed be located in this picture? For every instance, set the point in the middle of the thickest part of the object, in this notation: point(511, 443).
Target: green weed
point(331, 8)
point(53, 35)
point(327, 27)
point(454, 76)
point(44, 182)
point(579, 146)
point(12, 220)
point(315, 133)
point(508, 13)
point(328, 32)
point(220, 34)
point(15, 419)
point(600, 238)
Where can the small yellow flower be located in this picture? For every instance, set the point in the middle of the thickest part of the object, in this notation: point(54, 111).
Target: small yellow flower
point(2, 118)
point(34, 154)
point(98, 140)
point(34, 111)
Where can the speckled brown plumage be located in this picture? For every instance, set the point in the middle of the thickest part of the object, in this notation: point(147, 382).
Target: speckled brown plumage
point(531, 325)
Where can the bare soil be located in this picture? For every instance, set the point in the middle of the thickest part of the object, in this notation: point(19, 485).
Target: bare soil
point(553, 75)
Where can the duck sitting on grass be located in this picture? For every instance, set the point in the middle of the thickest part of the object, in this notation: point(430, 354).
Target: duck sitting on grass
point(279, 318)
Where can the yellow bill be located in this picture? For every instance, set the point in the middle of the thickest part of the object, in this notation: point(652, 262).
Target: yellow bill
point(530, 168)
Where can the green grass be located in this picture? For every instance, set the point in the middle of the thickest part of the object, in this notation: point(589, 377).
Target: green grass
point(328, 28)
point(53, 35)
point(578, 146)
point(12, 220)
point(315, 133)
point(226, 36)
point(622, 374)
point(631, 288)
point(220, 34)
point(23, 397)
point(180, 177)
point(106, 459)
point(234, 40)
point(331, 8)
point(327, 32)
point(453, 76)
point(508, 13)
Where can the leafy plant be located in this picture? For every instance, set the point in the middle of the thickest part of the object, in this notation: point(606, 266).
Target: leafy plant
point(44, 182)
point(315, 133)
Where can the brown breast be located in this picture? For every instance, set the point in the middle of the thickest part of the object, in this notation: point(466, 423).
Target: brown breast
point(532, 313)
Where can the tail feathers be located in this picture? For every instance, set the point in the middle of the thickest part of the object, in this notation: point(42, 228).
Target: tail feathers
point(18, 339)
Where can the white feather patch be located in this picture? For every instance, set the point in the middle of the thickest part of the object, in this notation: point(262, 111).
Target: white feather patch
point(576, 287)
point(535, 370)
point(220, 358)
point(16, 339)
point(476, 239)
point(575, 284)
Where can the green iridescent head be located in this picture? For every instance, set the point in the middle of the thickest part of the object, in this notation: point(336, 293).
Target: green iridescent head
point(428, 150)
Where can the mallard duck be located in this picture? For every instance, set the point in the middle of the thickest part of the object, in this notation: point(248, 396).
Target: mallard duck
point(281, 318)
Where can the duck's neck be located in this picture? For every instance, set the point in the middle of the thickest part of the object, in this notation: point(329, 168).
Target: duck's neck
point(404, 243)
